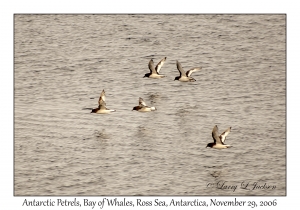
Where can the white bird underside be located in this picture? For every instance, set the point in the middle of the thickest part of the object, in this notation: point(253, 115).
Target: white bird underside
point(221, 146)
point(146, 109)
point(103, 110)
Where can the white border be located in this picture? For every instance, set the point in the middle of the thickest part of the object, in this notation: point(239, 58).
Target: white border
point(8, 8)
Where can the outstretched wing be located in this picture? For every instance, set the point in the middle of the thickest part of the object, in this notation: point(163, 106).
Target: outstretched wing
point(189, 72)
point(151, 67)
point(102, 106)
point(142, 102)
point(215, 135)
point(224, 134)
point(160, 64)
point(180, 69)
point(102, 98)
point(101, 102)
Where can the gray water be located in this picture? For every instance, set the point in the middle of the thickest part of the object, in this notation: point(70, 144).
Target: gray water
point(62, 63)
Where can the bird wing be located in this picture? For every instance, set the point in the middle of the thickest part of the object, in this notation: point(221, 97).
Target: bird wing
point(224, 134)
point(189, 72)
point(160, 64)
point(102, 106)
point(151, 67)
point(142, 102)
point(101, 102)
point(180, 69)
point(102, 98)
point(215, 135)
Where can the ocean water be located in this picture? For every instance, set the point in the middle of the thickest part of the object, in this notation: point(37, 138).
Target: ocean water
point(63, 62)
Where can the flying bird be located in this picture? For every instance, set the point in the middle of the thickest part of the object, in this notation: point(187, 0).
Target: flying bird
point(142, 107)
point(154, 72)
point(219, 140)
point(186, 76)
point(102, 109)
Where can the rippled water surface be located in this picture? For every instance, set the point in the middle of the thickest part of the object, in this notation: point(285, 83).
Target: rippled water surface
point(62, 63)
